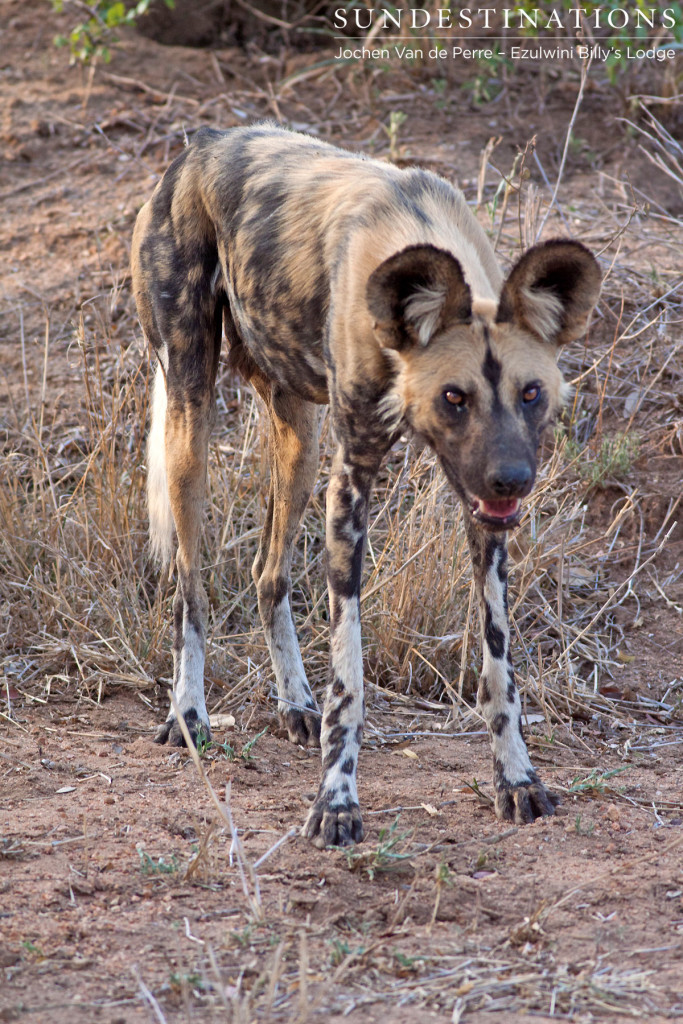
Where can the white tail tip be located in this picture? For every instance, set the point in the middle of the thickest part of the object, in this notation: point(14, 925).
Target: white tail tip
point(158, 504)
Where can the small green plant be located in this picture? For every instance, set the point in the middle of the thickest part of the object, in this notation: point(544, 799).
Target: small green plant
point(443, 874)
point(612, 461)
point(407, 963)
point(89, 40)
point(31, 948)
point(580, 148)
point(250, 744)
point(440, 87)
point(150, 866)
point(583, 830)
point(396, 119)
point(203, 742)
point(387, 855)
point(244, 938)
point(478, 791)
point(594, 782)
point(179, 981)
point(492, 205)
point(443, 878)
point(340, 949)
point(226, 749)
point(487, 83)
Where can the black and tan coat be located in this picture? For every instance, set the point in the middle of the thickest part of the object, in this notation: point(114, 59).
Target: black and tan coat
point(342, 280)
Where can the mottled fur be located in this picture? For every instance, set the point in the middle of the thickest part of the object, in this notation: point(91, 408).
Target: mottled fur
point(344, 280)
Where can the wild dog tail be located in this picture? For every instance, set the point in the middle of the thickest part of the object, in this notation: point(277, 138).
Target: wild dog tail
point(158, 502)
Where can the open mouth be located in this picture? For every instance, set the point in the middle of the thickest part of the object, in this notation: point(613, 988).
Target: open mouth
point(500, 513)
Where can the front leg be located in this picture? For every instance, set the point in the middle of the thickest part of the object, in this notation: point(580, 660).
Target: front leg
point(334, 819)
point(520, 796)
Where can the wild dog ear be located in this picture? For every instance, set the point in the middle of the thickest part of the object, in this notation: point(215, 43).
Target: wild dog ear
point(551, 291)
point(415, 293)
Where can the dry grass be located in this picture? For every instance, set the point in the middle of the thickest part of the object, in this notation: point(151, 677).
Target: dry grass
point(457, 984)
point(72, 516)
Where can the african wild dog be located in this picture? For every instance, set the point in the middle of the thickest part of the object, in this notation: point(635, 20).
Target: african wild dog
point(345, 280)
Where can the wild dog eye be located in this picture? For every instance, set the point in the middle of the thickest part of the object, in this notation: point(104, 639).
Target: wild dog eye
point(454, 396)
point(531, 394)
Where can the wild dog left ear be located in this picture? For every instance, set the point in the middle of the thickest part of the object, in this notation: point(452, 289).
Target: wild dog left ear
point(551, 291)
point(415, 293)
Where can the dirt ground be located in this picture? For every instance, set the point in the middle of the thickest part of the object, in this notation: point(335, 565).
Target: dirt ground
point(123, 897)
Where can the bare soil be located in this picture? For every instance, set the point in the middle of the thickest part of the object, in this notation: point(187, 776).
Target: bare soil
point(121, 898)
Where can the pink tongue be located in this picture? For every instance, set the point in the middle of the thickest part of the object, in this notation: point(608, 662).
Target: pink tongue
point(499, 509)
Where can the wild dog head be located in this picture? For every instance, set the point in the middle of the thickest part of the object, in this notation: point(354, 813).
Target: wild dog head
point(478, 380)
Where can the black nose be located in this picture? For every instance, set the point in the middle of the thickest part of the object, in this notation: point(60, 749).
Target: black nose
point(510, 480)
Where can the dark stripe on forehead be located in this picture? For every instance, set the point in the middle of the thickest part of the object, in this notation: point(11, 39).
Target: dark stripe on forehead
point(490, 367)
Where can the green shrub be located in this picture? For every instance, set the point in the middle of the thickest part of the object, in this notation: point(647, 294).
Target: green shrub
point(90, 40)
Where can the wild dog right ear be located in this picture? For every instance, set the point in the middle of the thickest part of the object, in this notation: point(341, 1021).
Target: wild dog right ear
point(414, 294)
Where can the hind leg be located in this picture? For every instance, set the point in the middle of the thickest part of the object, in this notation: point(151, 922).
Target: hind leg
point(179, 299)
point(294, 465)
point(188, 426)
